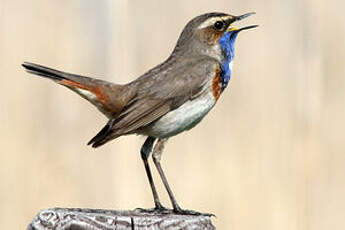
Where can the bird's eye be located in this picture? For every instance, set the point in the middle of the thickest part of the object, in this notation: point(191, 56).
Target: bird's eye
point(218, 25)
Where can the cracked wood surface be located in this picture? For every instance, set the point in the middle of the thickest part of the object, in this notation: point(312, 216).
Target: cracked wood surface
point(97, 219)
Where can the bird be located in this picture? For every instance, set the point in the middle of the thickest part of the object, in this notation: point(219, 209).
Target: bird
point(168, 99)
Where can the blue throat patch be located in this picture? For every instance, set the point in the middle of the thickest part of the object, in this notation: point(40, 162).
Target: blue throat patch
point(227, 44)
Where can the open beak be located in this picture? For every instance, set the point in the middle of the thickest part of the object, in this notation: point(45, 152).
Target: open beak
point(238, 18)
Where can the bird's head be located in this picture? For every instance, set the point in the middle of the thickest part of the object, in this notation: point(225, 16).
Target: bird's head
point(211, 34)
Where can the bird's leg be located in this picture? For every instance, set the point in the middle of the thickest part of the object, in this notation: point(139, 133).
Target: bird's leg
point(156, 155)
point(145, 151)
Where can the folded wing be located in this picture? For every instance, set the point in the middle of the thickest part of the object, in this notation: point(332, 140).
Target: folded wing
point(157, 93)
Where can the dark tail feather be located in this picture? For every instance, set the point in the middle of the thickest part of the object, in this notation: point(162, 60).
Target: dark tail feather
point(58, 75)
point(44, 71)
point(106, 96)
point(94, 90)
point(100, 138)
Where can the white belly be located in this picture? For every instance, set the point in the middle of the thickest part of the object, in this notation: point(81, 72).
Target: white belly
point(183, 118)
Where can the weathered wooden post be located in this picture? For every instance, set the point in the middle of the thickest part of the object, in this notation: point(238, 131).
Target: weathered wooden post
point(98, 219)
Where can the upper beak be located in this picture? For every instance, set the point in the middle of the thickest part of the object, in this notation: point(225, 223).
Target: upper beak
point(238, 18)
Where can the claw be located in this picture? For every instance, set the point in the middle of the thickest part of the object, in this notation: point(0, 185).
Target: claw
point(156, 210)
point(180, 211)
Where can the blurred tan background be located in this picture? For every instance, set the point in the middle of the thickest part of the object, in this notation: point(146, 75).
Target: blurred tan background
point(271, 155)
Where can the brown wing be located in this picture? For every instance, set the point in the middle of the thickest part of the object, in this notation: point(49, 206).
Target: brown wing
point(157, 94)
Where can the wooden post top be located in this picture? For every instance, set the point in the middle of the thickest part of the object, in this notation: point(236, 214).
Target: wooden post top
point(97, 219)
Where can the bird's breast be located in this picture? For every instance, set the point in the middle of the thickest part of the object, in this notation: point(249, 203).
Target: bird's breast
point(183, 118)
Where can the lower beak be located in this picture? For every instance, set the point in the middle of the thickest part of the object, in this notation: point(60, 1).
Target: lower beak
point(238, 18)
point(243, 28)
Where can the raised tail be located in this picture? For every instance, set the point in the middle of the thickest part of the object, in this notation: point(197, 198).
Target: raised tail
point(44, 71)
point(108, 97)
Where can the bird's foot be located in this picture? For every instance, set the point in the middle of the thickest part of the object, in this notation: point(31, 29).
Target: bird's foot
point(179, 211)
point(159, 209)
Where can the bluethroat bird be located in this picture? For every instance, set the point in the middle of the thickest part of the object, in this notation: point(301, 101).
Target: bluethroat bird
point(170, 98)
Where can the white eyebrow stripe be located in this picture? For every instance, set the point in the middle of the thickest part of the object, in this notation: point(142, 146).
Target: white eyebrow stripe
point(211, 21)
